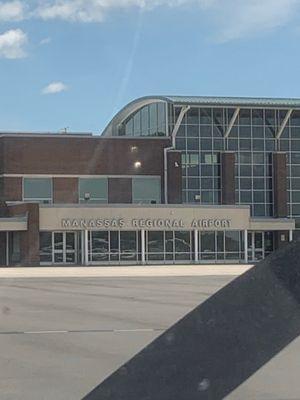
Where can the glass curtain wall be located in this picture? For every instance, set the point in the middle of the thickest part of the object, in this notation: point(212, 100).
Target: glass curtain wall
point(148, 121)
point(114, 246)
point(252, 138)
point(221, 245)
point(169, 246)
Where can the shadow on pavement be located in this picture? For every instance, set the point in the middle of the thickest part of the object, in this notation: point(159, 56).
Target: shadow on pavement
point(219, 344)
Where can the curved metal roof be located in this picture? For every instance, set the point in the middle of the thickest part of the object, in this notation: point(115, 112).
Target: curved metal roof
point(135, 105)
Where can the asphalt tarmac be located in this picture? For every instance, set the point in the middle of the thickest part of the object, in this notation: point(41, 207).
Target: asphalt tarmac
point(60, 337)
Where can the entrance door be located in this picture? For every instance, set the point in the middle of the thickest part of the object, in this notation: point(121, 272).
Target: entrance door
point(256, 247)
point(64, 248)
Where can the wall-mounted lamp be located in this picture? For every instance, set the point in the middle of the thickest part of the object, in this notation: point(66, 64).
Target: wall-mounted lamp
point(133, 148)
point(137, 164)
point(87, 196)
point(176, 164)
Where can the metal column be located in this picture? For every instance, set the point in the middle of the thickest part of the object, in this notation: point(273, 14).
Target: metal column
point(290, 235)
point(246, 245)
point(7, 249)
point(86, 247)
point(196, 245)
point(143, 247)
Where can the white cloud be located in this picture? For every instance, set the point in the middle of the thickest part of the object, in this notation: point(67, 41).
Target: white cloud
point(12, 11)
point(12, 44)
point(55, 87)
point(229, 19)
point(46, 40)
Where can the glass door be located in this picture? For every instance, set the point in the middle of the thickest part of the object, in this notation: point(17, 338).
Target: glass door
point(64, 248)
point(256, 246)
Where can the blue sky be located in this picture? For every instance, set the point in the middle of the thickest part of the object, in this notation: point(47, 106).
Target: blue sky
point(74, 63)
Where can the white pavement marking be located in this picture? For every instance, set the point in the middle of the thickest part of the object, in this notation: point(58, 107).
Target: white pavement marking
point(49, 332)
point(117, 272)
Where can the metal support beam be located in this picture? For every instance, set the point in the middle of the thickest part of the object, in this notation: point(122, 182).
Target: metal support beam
point(232, 122)
point(7, 249)
point(143, 247)
point(290, 235)
point(196, 245)
point(181, 115)
point(246, 245)
point(86, 247)
point(283, 125)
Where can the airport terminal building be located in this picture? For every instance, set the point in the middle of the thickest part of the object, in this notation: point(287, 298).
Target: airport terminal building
point(170, 180)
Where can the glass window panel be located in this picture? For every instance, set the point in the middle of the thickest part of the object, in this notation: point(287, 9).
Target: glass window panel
point(146, 190)
point(207, 197)
point(295, 158)
point(206, 144)
point(193, 116)
point(70, 241)
point(296, 196)
point(46, 247)
point(128, 245)
point(155, 242)
point(258, 132)
point(193, 131)
point(258, 183)
point(257, 117)
point(192, 144)
point(218, 131)
point(295, 118)
point(232, 241)
point(218, 116)
point(270, 132)
point(270, 117)
point(93, 189)
point(246, 196)
point(37, 189)
point(206, 131)
point(205, 116)
point(284, 145)
point(245, 144)
point(129, 128)
point(259, 210)
point(100, 242)
point(258, 144)
point(295, 145)
point(258, 170)
point(258, 158)
point(245, 132)
point(145, 120)
point(153, 119)
point(270, 145)
point(218, 144)
point(296, 183)
point(206, 170)
point(233, 144)
point(207, 242)
point(244, 117)
point(259, 196)
point(207, 183)
point(245, 158)
point(220, 241)
point(182, 242)
point(137, 124)
point(114, 242)
point(246, 183)
point(169, 242)
point(193, 183)
point(58, 241)
point(161, 117)
point(245, 170)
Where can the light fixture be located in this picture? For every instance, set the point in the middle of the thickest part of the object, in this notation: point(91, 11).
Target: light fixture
point(137, 164)
point(87, 196)
point(134, 148)
point(176, 164)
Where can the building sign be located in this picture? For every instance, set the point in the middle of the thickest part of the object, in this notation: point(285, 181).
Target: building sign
point(147, 224)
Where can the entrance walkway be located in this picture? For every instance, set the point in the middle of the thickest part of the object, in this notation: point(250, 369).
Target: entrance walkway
point(126, 271)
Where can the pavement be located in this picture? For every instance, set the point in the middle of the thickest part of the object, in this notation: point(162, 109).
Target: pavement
point(61, 336)
point(125, 271)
